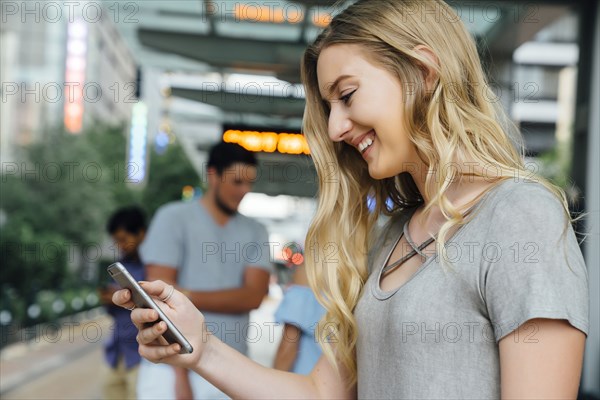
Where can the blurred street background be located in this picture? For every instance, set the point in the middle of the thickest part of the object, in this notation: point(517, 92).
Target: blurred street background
point(107, 103)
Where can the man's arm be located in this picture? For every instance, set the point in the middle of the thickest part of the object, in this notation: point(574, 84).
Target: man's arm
point(542, 359)
point(163, 272)
point(229, 301)
point(106, 294)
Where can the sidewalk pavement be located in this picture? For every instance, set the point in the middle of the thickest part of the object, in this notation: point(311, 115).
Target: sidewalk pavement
point(67, 362)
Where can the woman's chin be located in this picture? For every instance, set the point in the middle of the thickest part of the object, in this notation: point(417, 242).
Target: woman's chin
point(378, 173)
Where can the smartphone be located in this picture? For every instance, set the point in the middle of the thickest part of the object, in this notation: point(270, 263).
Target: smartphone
point(141, 299)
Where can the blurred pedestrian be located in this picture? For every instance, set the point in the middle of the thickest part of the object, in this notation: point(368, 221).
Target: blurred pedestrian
point(219, 258)
point(127, 227)
point(299, 312)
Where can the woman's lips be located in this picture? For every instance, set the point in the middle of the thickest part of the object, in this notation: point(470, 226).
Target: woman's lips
point(367, 151)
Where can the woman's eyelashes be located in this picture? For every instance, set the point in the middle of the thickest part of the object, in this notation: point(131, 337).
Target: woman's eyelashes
point(346, 98)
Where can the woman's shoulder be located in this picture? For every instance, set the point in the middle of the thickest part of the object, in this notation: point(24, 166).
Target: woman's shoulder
point(524, 198)
point(526, 189)
point(524, 209)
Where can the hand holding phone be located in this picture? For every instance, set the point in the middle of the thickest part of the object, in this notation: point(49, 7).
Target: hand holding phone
point(141, 299)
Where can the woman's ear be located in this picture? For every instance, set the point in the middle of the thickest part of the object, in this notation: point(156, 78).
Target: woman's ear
point(430, 68)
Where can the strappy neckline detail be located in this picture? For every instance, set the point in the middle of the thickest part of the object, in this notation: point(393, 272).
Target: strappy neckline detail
point(376, 284)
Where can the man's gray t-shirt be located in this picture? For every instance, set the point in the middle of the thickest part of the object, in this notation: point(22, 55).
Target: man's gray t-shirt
point(208, 257)
point(436, 336)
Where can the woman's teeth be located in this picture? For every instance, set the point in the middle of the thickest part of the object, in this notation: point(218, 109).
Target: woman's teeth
point(362, 146)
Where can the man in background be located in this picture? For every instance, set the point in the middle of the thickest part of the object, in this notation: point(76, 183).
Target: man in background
point(127, 227)
point(217, 257)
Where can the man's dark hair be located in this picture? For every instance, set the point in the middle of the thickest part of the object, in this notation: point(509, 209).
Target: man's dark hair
point(223, 155)
point(131, 219)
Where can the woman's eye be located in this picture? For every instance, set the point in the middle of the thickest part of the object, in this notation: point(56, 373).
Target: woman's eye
point(346, 98)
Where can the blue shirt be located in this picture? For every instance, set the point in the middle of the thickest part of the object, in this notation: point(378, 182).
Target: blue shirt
point(208, 257)
point(122, 342)
point(301, 309)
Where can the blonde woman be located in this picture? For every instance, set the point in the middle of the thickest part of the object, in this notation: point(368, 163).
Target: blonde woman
point(476, 287)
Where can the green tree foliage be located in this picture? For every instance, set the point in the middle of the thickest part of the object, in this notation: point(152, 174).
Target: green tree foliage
point(74, 203)
point(110, 145)
point(168, 174)
point(56, 200)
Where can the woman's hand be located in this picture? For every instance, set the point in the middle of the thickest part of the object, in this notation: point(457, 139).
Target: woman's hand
point(184, 315)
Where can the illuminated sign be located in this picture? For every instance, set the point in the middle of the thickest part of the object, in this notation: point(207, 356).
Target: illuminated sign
point(77, 33)
point(269, 142)
point(293, 14)
point(138, 137)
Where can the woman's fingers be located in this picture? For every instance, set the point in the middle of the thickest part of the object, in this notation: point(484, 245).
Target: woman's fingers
point(122, 298)
point(151, 334)
point(152, 344)
point(163, 292)
point(158, 289)
point(142, 316)
point(158, 353)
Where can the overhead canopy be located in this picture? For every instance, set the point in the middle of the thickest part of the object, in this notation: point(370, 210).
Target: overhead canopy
point(268, 38)
point(237, 38)
point(275, 56)
point(245, 102)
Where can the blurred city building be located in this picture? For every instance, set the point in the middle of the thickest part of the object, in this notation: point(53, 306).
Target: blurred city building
point(545, 78)
point(62, 66)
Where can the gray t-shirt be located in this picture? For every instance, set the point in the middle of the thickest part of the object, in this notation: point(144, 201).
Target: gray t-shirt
point(208, 257)
point(437, 335)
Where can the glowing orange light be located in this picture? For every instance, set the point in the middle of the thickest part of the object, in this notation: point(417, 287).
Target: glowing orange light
point(76, 78)
point(297, 259)
point(256, 13)
point(75, 75)
point(74, 110)
point(73, 125)
point(305, 148)
point(286, 143)
point(321, 19)
point(187, 192)
point(269, 142)
point(286, 254)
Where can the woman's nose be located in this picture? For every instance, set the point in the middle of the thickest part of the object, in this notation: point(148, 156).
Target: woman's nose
point(339, 125)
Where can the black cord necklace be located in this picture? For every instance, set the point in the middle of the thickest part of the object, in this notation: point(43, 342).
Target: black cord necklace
point(415, 249)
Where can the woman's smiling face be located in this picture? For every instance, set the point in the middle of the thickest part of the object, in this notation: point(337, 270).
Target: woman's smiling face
point(366, 109)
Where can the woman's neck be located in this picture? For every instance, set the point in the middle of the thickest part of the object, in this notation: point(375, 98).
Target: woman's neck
point(462, 194)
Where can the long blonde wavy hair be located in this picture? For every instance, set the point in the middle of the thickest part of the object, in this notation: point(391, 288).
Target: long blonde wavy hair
point(458, 121)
